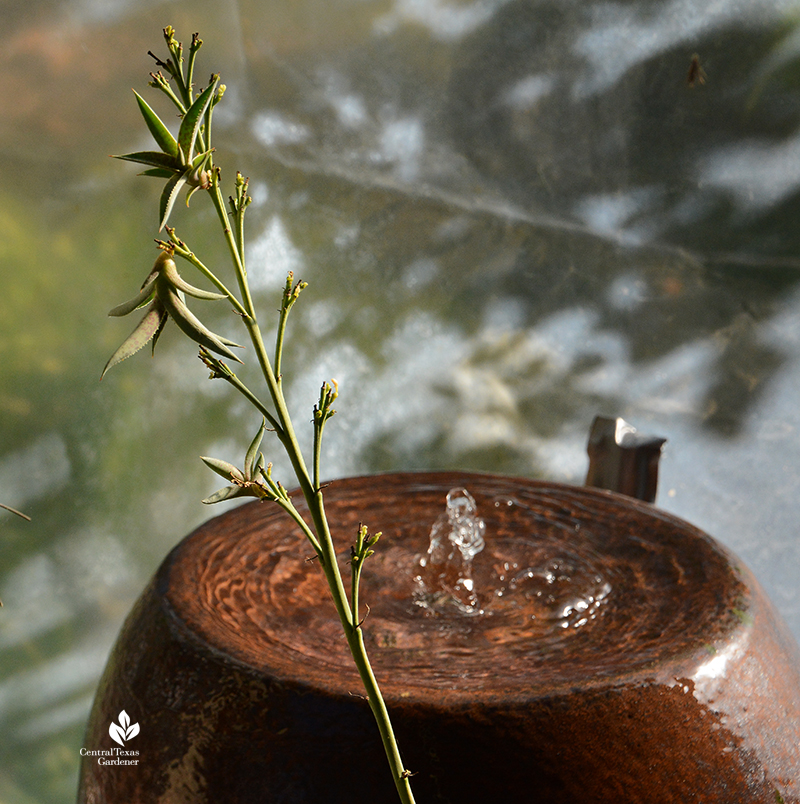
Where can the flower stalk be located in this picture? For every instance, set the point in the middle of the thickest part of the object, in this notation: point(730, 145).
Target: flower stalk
point(186, 162)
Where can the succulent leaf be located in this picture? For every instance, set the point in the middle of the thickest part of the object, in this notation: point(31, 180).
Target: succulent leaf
point(168, 196)
point(223, 468)
point(192, 119)
point(153, 158)
point(229, 342)
point(152, 323)
point(159, 173)
point(157, 333)
point(170, 271)
point(189, 324)
point(252, 451)
point(226, 493)
point(143, 297)
point(259, 465)
point(191, 192)
point(200, 160)
point(161, 134)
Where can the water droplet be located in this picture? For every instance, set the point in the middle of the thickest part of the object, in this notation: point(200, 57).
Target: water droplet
point(445, 578)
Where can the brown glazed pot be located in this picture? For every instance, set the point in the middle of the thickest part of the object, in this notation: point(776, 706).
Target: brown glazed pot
point(621, 656)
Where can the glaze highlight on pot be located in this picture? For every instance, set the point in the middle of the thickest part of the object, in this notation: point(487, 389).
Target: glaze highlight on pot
point(676, 681)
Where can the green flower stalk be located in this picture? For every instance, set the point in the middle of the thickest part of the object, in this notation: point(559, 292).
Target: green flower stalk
point(187, 161)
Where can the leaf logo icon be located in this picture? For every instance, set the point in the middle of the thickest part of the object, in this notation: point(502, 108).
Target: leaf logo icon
point(123, 731)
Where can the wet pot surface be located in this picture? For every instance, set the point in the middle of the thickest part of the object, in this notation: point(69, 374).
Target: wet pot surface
point(610, 653)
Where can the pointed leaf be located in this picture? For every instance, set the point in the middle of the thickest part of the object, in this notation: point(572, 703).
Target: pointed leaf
point(154, 158)
point(161, 134)
point(200, 160)
point(191, 326)
point(124, 720)
point(157, 334)
point(132, 731)
point(159, 173)
point(144, 331)
point(171, 273)
point(259, 465)
point(168, 196)
point(139, 300)
point(252, 450)
point(229, 342)
point(191, 121)
point(227, 493)
point(191, 192)
point(223, 468)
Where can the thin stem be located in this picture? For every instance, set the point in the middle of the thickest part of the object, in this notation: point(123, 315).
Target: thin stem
point(176, 49)
point(288, 506)
point(327, 550)
point(354, 592)
point(14, 511)
point(279, 346)
point(317, 458)
point(286, 434)
point(238, 208)
point(290, 295)
point(193, 48)
point(240, 231)
point(319, 535)
point(236, 256)
point(322, 412)
point(159, 82)
point(358, 554)
point(222, 372)
point(355, 639)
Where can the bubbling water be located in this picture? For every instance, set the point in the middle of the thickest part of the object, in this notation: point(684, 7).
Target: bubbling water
point(560, 592)
point(445, 572)
point(535, 583)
